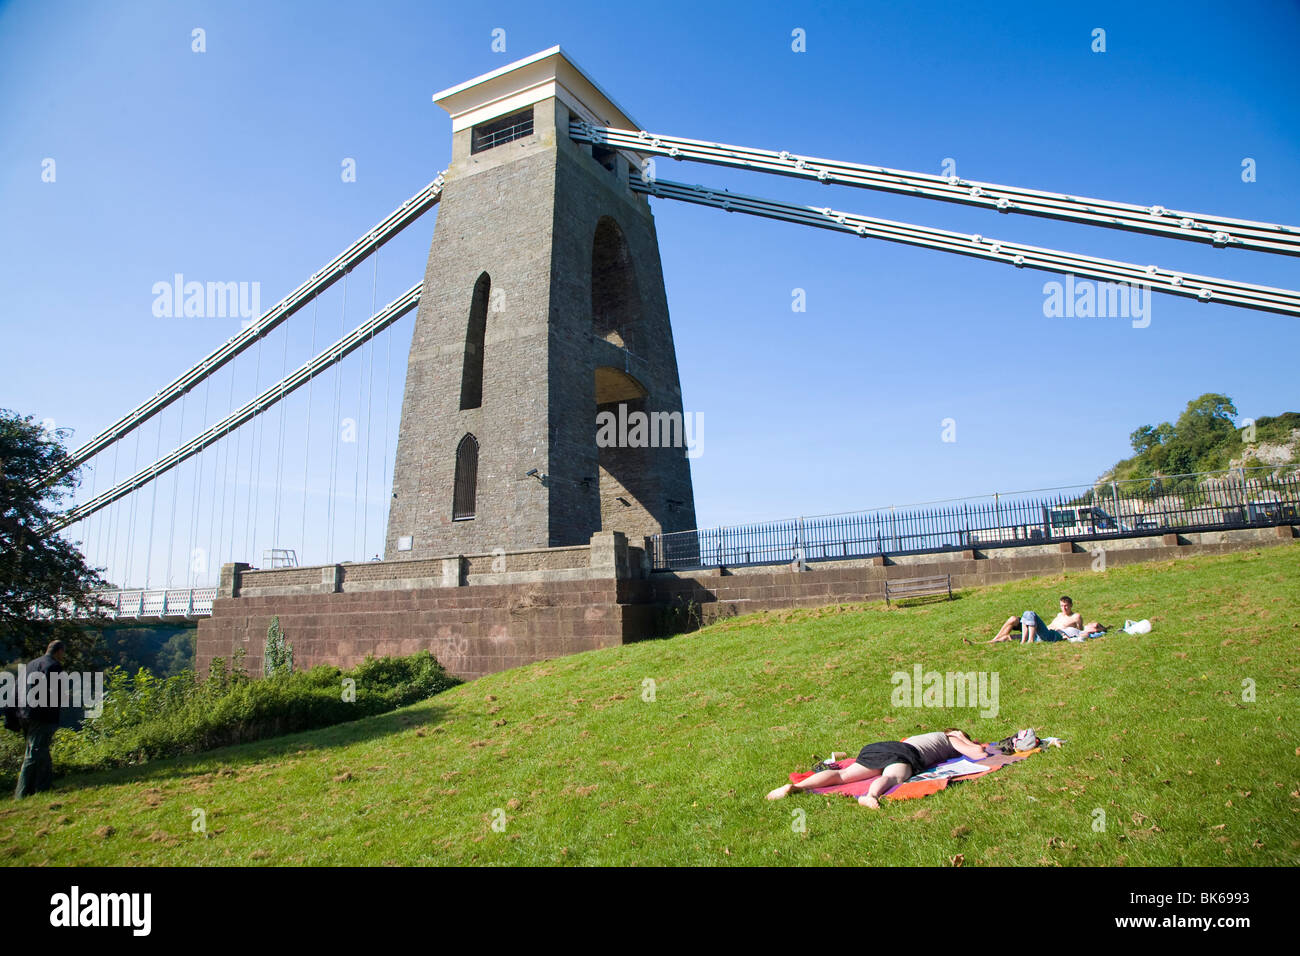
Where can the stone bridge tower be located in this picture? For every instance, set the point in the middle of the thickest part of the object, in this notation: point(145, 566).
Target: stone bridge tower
point(543, 306)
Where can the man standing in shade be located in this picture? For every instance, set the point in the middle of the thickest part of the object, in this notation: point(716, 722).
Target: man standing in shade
point(40, 723)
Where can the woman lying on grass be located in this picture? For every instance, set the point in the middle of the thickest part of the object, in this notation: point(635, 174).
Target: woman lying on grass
point(891, 762)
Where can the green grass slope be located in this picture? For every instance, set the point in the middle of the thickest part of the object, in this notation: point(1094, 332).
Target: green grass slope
point(568, 762)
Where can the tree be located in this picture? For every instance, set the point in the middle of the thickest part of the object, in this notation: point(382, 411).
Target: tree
point(1211, 409)
point(1144, 439)
point(177, 654)
point(1206, 427)
point(164, 649)
point(1204, 439)
point(42, 575)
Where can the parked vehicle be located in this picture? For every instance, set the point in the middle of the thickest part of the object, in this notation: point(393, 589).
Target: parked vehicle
point(1074, 522)
point(1058, 524)
point(1270, 512)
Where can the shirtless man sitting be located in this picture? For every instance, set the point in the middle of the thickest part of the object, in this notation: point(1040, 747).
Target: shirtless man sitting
point(1067, 625)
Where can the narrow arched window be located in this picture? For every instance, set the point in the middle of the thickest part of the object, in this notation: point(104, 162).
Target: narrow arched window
point(471, 376)
point(615, 304)
point(462, 506)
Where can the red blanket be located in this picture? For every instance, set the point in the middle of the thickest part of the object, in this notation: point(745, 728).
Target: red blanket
point(913, 788)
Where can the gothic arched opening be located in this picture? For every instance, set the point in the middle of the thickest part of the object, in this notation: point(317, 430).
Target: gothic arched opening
point(465, 489)
point(471, 375)
point(615, 301)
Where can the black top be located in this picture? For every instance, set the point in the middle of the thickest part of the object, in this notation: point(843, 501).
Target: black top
point(47, 665)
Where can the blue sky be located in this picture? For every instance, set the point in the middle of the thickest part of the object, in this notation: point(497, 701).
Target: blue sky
point(225, 166)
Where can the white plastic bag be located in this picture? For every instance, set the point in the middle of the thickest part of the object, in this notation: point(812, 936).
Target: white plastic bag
point(1137, 627)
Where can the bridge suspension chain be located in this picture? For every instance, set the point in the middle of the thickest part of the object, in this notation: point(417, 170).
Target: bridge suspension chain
point(342, 348)
point(1203, 288)
point(1219, 231)
point(322, 279)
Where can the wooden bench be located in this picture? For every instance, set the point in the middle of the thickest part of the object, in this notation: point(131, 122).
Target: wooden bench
point(918, 587)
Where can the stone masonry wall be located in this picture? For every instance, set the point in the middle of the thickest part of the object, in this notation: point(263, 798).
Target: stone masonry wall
point(471, 630)
point(480, 628)
point(717, 594)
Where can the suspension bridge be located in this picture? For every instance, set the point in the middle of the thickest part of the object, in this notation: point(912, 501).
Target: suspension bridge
point(241, 461)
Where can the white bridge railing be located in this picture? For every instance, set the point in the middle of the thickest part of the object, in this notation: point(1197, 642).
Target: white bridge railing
point(160, 602)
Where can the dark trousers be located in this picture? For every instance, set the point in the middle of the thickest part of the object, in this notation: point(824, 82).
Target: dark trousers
point(38, 769)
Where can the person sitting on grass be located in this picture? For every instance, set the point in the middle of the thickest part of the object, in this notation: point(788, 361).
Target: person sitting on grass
point(1067, 625)
point(891, 762)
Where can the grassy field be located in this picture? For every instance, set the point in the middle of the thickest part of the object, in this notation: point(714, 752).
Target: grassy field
point(568, 762)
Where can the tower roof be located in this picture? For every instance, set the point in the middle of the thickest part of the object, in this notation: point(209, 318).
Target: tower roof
point(550, 73)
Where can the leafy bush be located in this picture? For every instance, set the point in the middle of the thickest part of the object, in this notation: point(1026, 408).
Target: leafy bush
point(146, 717)
point(677, 617)
point(279, 652)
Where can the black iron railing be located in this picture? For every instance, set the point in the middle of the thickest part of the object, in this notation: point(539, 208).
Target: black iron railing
point(1237, 499)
